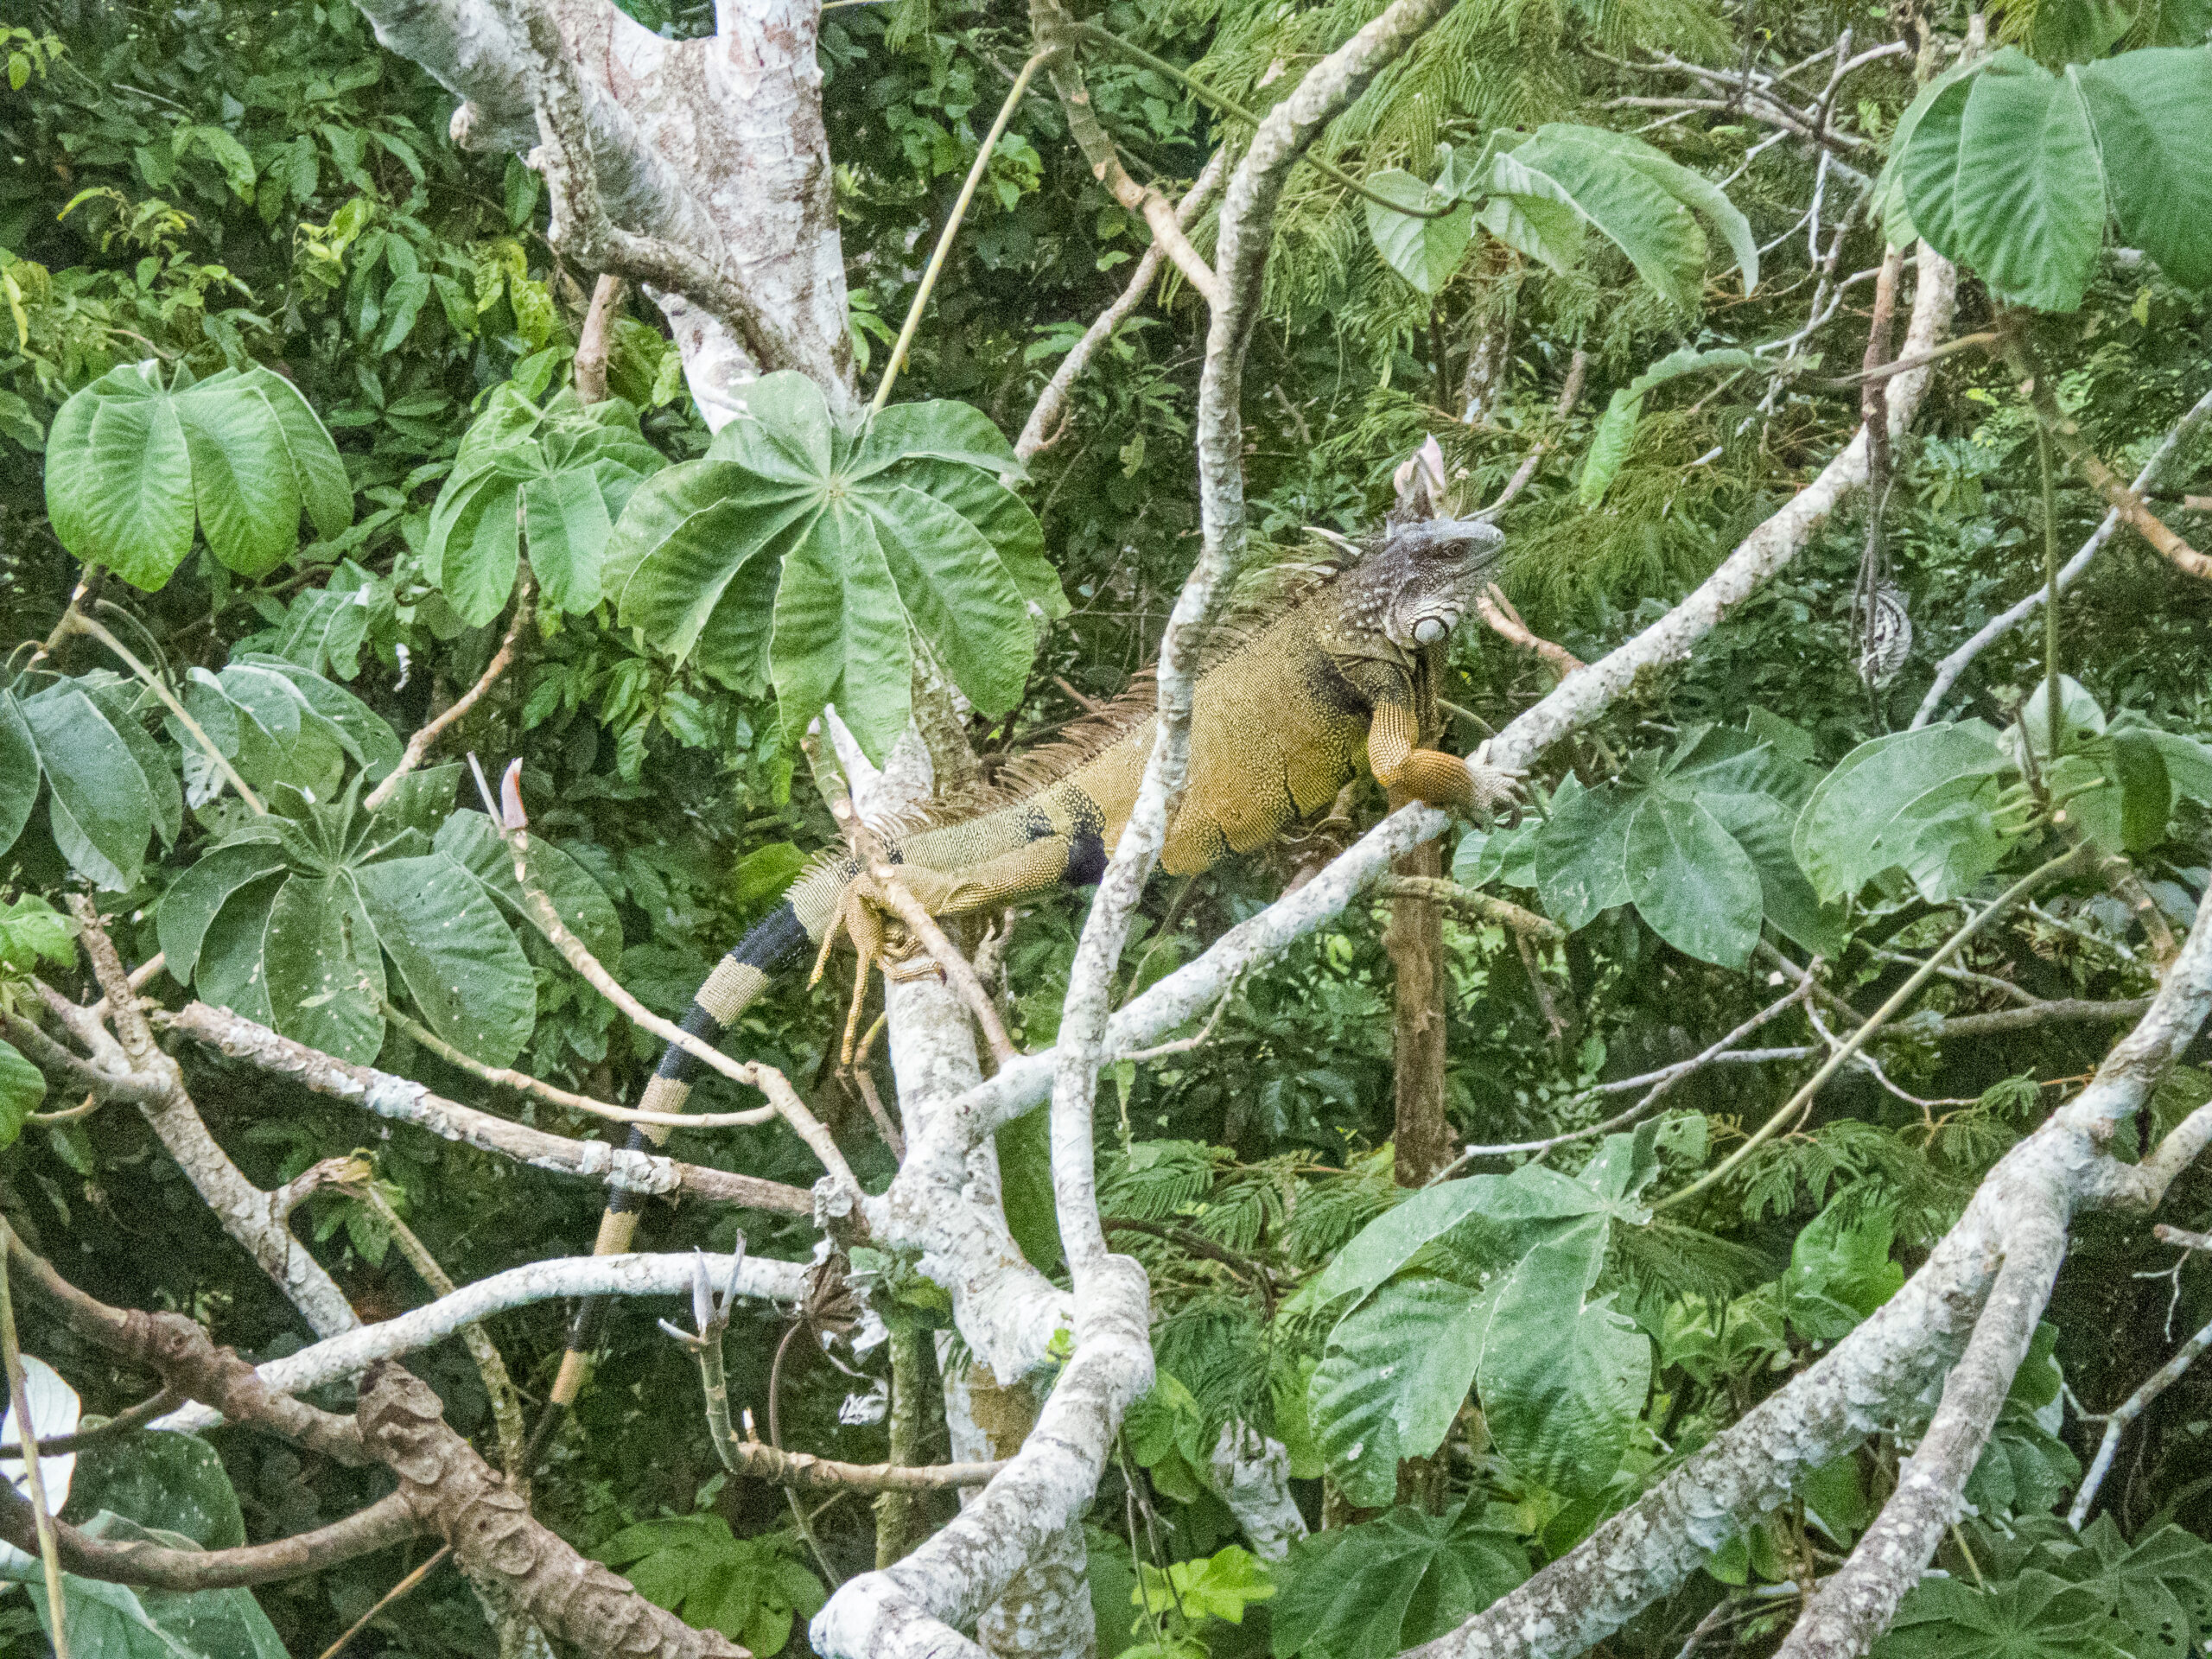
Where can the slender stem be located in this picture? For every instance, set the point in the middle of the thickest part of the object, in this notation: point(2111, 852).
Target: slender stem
point(386, 1600)
point(419, 745)
point(49, 1545)
point(1013, 98)
point(1844, 1051)
point(2057, 727)
point(1229, 106)
point(83, 624)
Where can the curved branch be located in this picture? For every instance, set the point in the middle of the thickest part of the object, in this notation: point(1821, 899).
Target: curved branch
point(382, 1524)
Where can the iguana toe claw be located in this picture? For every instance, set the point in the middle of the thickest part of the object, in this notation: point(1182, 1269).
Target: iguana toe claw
point(1495, 786)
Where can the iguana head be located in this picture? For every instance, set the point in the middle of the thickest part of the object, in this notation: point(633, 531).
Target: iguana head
point(1420, 579)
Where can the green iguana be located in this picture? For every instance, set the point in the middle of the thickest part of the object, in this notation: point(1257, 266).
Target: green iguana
point(1341, 665)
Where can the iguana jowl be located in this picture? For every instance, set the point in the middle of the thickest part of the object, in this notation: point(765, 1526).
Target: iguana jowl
point(1281, 716)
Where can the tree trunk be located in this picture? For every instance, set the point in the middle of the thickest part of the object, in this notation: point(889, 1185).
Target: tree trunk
point(1416, 944)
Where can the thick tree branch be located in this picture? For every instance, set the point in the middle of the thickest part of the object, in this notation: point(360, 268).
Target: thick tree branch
point(447, 1488)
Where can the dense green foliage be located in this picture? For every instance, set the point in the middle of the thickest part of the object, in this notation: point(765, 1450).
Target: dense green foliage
point(284, 380)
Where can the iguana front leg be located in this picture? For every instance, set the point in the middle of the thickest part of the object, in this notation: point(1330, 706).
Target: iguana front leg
point(1401, 766)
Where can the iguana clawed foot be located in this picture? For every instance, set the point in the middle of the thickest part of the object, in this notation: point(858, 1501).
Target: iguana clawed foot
point(861, 915)
point(1493, 787)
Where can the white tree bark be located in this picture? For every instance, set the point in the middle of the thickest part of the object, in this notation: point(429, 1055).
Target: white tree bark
point(763, 1278)
point(1250, 1474)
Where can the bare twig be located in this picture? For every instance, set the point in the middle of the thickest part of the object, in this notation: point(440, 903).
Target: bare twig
point(514, 826)
point(2132, 1408)
point(2066, 433)
point(78, 622)
point(1497, 611)
point(1660, 1081)
point(419, 745)
point(982, 165)
point(1471, 903)
point(1197, 1040)
point(49, 1551)
point(1569, 392)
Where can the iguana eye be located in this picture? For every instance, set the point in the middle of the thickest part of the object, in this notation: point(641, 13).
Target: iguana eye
point(1428, 631)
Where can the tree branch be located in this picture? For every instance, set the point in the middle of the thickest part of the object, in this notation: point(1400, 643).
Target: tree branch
point(419, 745)
point(406, 1102)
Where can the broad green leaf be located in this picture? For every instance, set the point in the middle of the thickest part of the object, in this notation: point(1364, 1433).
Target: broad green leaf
point(2160, 1586)
point(118, 477)
point(697, 555)
point(1424, 251)
point(125, 703)
point(171, 1482)
point(1616, 430)
point(19, 771)
point(1631, 209)
point(1691, 881)
point(470, 839)
point(2002, 175)
point(97, 795)
point(803, 553)
point(228, 971)
point(194, 899)
point(1533, 214)
point(106, 1619)
point(1396, 1370)
point(355, 727)
point(940, 430)
point(1762, 826)
point(318, 471)
point(459, 959)
point(202, 1625)
point(1863, 818)
point(32, 931)
point(320, 961)
point(2189, 764)
point(474, 545)
point(566, 519)
point(1582, 855)
point(1693, 189)
point(840, 634)
point(961, 598)
point(2153, 115)
point(1373, 1590)
point(22, 1086)
point(241, 479)
point(1888, 202)
point(1499, 1206)
point(1562, 1387)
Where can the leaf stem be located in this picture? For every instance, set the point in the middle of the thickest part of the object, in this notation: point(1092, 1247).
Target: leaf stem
point(1843, 1053)
point(19, 1393)
point(82, 624)
point(2056, 726)
point(990, 144)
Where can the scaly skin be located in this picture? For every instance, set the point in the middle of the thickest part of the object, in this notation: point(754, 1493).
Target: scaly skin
point(1279, 725)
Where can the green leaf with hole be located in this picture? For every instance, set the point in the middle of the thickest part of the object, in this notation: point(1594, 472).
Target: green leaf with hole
point(455, 953)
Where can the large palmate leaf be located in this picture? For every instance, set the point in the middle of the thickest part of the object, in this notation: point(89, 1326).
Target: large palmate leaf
point(1697, 840)
point(1374, 1589)
point(1503, 1307)
point(292, 922)
point(2014, 170)
point(1424, 249)
point(557, 478)
point(131, 465)
point(804, 553)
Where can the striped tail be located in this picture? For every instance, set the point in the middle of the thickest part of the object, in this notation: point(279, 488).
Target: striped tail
point(795, 928)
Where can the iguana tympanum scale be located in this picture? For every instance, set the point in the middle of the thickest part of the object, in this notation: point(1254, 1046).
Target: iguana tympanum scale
point(1282, 718)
